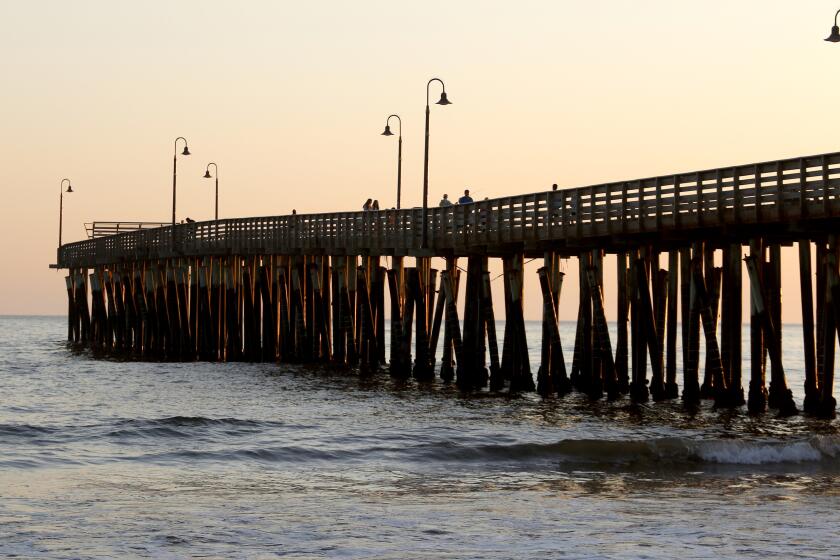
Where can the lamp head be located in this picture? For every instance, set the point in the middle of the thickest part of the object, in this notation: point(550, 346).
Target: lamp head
point(835, 35)
point(69, 188)
point(387, 131)
point(207, 174)
point(186, 151)
point(444, 100)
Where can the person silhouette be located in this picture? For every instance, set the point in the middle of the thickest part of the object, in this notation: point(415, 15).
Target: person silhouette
point(466, 199)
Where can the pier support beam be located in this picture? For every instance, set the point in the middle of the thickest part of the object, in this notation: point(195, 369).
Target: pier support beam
point(447, 365)
point(671, 389)
point(831, 323)
point(621, 345)
point(453, 326)
point(757, 396)
point(812, 394)
point(521, 379)
point(784, 397)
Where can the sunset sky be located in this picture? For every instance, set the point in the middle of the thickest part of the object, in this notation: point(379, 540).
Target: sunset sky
point(289, 98)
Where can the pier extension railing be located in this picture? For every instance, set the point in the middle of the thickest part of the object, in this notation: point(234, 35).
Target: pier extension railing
point(104, 229)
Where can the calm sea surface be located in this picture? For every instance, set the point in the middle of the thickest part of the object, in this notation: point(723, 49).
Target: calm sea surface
point(101, 458)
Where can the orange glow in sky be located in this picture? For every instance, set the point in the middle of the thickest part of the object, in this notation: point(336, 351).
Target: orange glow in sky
point(289, 98)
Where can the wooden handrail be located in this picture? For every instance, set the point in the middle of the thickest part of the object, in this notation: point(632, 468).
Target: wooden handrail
point(768, 192)
point(104, 229)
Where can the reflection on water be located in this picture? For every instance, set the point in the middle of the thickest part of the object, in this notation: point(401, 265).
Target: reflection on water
point(103, 458)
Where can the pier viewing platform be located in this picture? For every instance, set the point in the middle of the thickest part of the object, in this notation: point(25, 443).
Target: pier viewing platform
point(311, 288)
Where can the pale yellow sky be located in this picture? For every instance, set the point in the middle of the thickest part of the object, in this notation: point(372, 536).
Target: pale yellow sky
point(289, 99)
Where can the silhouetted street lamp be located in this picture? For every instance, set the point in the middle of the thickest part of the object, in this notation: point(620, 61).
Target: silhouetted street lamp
point(61, 192)
point(443, 101)
point(399, 154)
point(186, 152)
point(835, 31)
point(208, 176)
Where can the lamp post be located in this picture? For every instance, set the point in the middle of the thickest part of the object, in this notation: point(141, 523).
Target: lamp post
point(443, 101)
point(186, 152)
point(399, 153)
point(61, 192)
point(208, 176)
point(834, 37)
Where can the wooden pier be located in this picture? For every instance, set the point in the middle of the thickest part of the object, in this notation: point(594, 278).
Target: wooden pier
point(311, 288)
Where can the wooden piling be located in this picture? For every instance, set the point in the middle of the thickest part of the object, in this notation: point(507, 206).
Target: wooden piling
point(732, 303)
point(609, 380)
point(659, 282)
point(710, 280)
point(812, 396)
point(784, 397)
point(437, 323)
point(490, 322)
point(778, 393)
point(757, 396)
point(831, 318)
point(397, 366)
point(417, 284)
point(447, 368)
point(638, 384)
point(521, 379)
point(691, 381)
point(713, 360)
point(72, 316)
point(621, 346)
point(451, 312)
point(545, 382)
point(671, 388)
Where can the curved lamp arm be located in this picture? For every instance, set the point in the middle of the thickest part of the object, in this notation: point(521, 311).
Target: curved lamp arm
point(215, 169)
point(61, 186)
point(441, 85)
point(388, 122)
point(186, 148)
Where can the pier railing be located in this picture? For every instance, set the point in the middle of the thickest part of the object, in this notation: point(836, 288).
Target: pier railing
point(104, 229)
point(782, 191)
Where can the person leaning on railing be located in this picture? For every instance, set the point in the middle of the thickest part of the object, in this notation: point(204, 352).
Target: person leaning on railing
point(446, 219)
point(460, 215)
point(556, 202)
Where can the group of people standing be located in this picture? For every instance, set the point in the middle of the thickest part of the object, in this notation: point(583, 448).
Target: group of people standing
point(370, 204)
point(466, 199)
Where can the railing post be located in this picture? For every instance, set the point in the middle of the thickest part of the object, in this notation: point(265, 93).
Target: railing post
point(623, 216)
point(780, 190)
point(640, 220)
point(826, 188)
point(698, 198)
point(676, 201)
point(803, 186)
point(757, 197)
point(658, 186)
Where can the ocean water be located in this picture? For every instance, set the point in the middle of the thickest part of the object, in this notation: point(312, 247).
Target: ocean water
point(103, 458)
